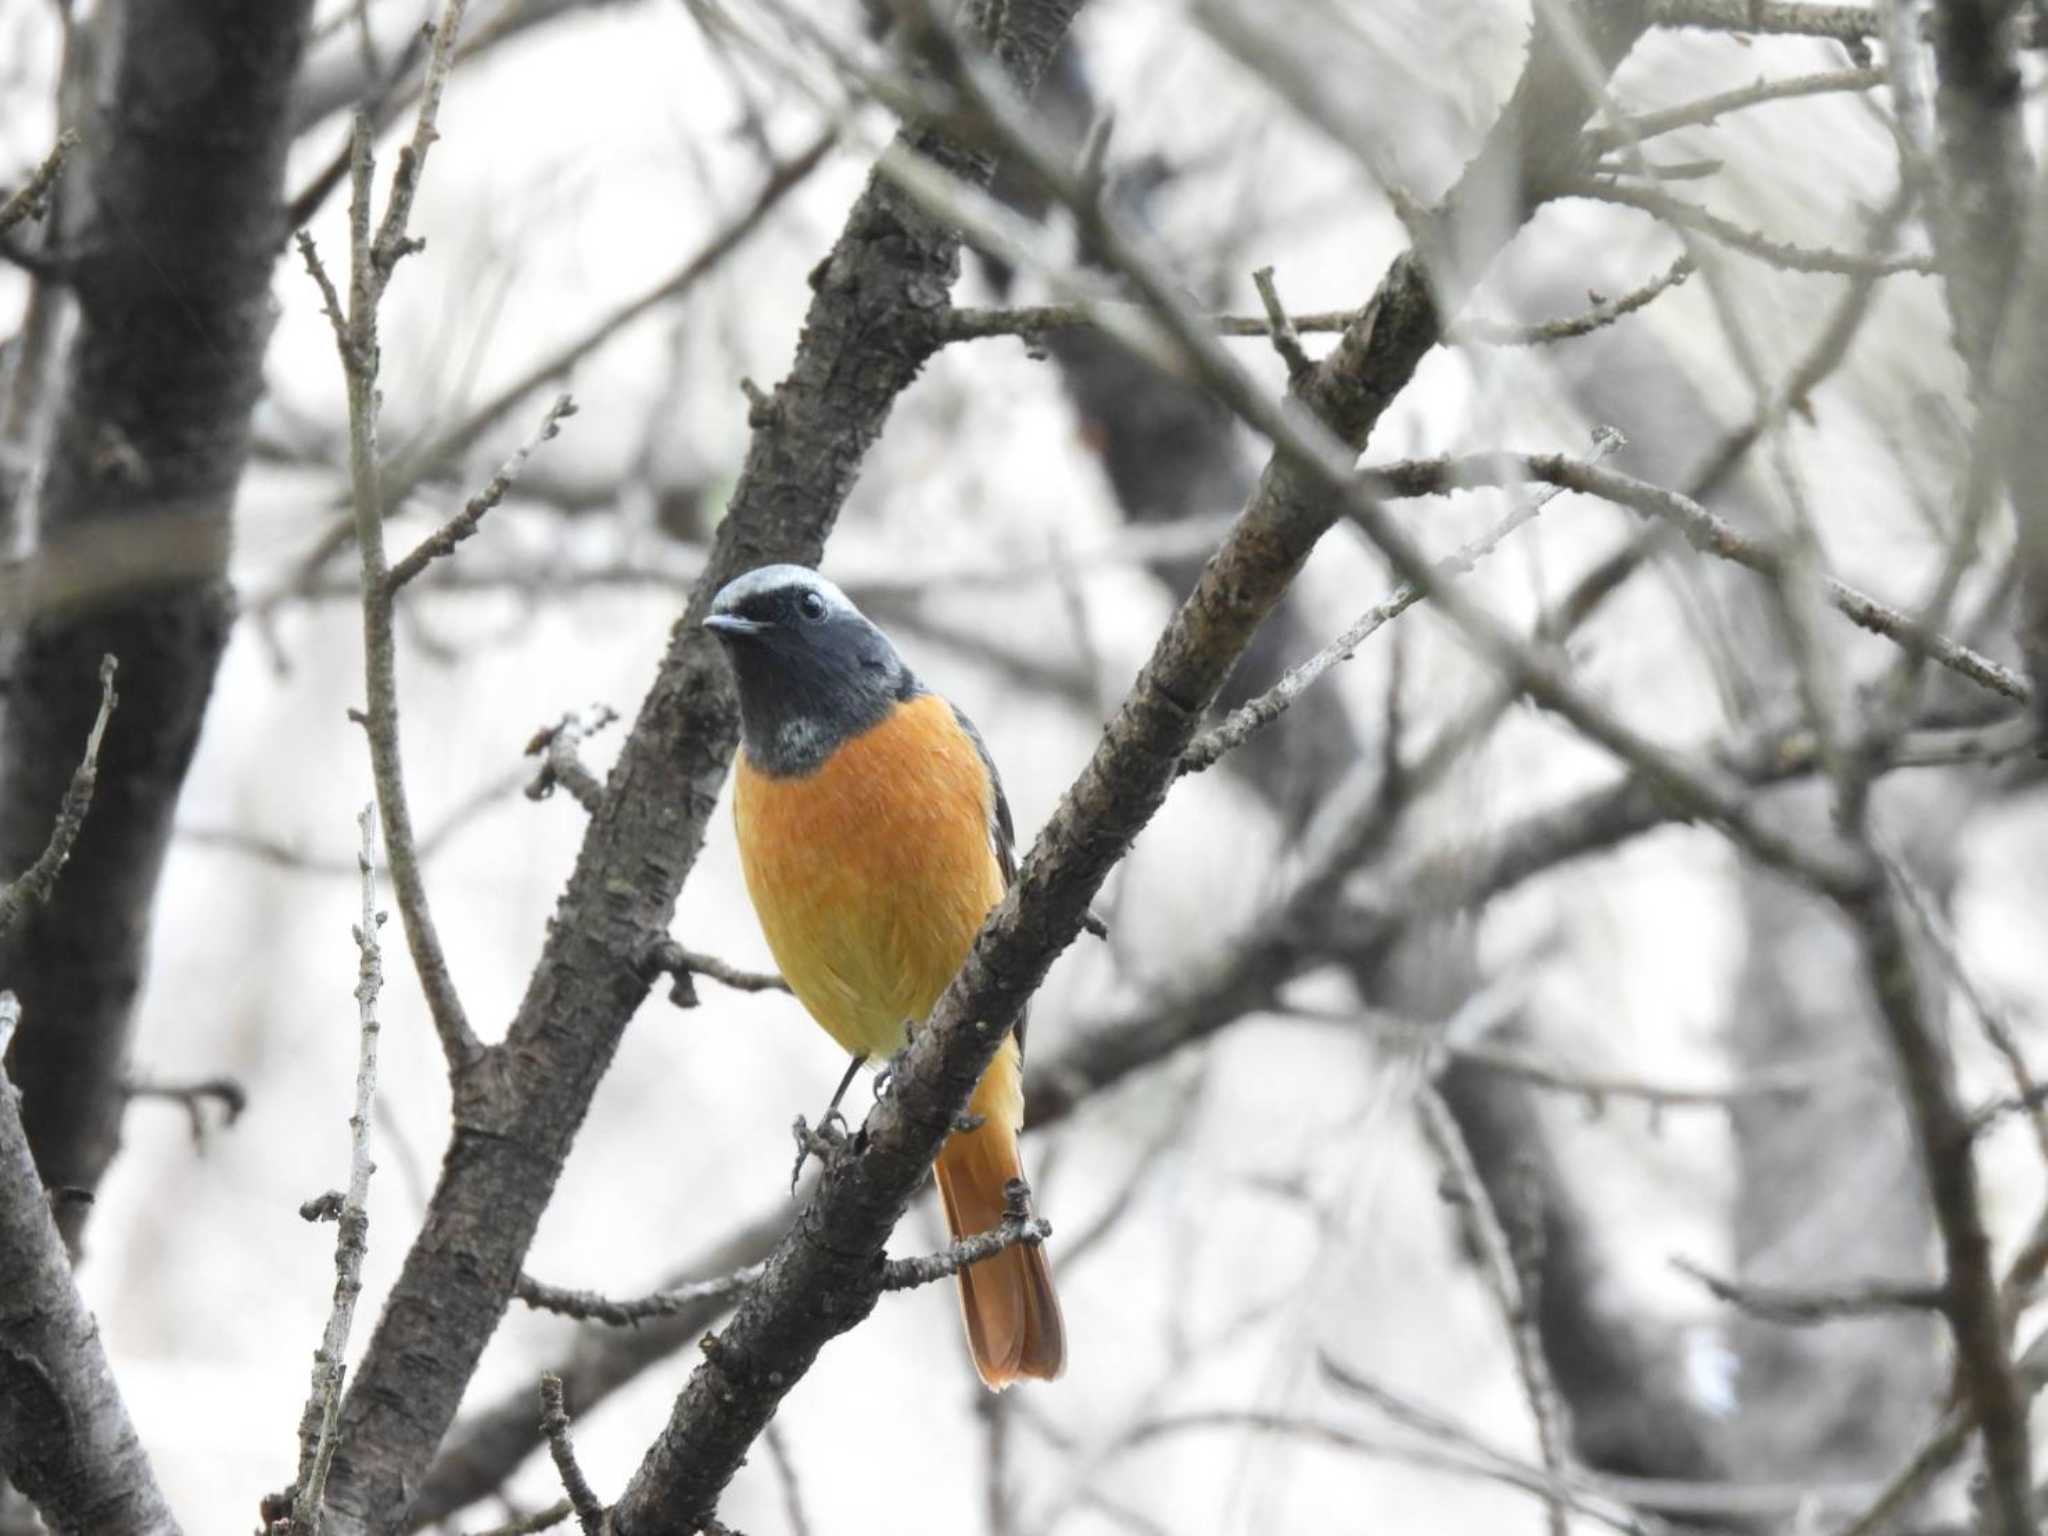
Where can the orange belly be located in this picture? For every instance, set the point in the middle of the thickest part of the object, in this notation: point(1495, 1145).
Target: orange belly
point(873, 875)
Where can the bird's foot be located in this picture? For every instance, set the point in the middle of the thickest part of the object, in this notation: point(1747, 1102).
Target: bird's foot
point(824, 1142)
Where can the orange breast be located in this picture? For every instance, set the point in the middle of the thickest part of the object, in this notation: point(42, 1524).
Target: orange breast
point(872, 875)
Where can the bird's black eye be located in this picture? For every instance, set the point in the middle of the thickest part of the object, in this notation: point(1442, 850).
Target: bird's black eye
point(812, 606)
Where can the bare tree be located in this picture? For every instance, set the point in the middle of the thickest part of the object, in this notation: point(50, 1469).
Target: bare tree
point(1671, 672)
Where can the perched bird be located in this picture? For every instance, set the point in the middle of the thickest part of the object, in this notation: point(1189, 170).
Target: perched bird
point(875, 839)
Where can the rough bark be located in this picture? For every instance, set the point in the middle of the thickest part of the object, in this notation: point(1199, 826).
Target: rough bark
point(175, 222)
point(518, 1106)
point(65, 1438)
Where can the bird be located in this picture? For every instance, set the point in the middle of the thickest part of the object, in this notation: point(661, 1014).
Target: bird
point(875, 838)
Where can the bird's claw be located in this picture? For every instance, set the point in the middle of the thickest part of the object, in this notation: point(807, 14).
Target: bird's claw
point(822, 1142)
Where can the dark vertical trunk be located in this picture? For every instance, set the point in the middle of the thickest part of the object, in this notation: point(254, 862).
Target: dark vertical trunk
point(174, 220)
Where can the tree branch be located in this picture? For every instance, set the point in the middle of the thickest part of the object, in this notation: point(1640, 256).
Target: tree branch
point(372, 258)
point(1705, 532)
point(1504, 1278)
point(1782, 254)
point(1255, 715)
point(1800, 1305)
point(32, 198)
point(590, 1307)
point(877, 299)
point(442, 540)
point(1017, 1226)
point(65, 1437)
point(554, 1423)
point(351, 1242)
point(38, 883)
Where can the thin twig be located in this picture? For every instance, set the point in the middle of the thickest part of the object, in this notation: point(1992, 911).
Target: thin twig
point(1253, 716)
point(416, 464)
point(1991, 1018)
point(323, 1407)
point(442, 540)
point(560, 766)
point(590, 1307)
point(36, 884)
point(1504, 1280)
point(229, 1094)
point(668, 958)
point(1792, 18)
point(1777, 253)
point(355, 331)
point(1800, 1305)
point(1495, 1467)
point(1286, 340)
point(1035, 320)
point(533, 1524)
point(1704, 531)
point(554, 1423)
point(1602, 313)
point(1596, 1088)
point(784, 1463)
point(1710, 109)
point(1017, 1226)
point(31, 198)
point(393, 242)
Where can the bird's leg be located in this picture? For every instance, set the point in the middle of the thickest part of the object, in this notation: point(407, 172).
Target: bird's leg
point(887, 1074)
point(825, 1136)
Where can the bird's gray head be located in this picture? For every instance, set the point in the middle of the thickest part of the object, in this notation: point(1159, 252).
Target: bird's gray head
point(813, 672)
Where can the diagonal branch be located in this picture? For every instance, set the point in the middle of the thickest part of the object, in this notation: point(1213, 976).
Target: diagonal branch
point(35, 885)
point(31, 198)
point(878, 297)
point(65, 1437)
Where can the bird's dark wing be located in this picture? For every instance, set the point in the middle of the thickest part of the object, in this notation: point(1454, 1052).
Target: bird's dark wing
point(1002, 833)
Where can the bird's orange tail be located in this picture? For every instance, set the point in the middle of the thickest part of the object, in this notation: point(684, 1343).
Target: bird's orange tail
point(1013, 1319)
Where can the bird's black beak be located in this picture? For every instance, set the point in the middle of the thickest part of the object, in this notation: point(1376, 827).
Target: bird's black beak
point(731, 625)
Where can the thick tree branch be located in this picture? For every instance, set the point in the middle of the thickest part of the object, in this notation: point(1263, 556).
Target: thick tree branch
point(65, 1437)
